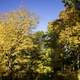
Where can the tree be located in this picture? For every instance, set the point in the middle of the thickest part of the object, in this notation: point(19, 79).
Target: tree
point(65, 40)
point(42, 57)
point(15, 42)
point(72, 3)
point(69, 36)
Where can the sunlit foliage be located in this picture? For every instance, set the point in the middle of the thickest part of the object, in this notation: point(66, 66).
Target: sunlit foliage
point(14, 40)
point(65, 36)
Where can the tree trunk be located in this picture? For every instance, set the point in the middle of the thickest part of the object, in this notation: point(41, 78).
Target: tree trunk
point(10, 72)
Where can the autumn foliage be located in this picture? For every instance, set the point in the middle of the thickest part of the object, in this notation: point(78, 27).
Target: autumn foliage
point(50, 55)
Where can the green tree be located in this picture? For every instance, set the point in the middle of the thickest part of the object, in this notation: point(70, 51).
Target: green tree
point(42, 59)
point(72, 3)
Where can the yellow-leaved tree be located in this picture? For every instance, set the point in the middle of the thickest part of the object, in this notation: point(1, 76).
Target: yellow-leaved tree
point(65, 33)
point(15, 41)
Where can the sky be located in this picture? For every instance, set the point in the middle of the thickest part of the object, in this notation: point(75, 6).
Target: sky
point(46, 10)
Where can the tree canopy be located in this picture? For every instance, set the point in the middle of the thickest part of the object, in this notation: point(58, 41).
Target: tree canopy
point(50, 55)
